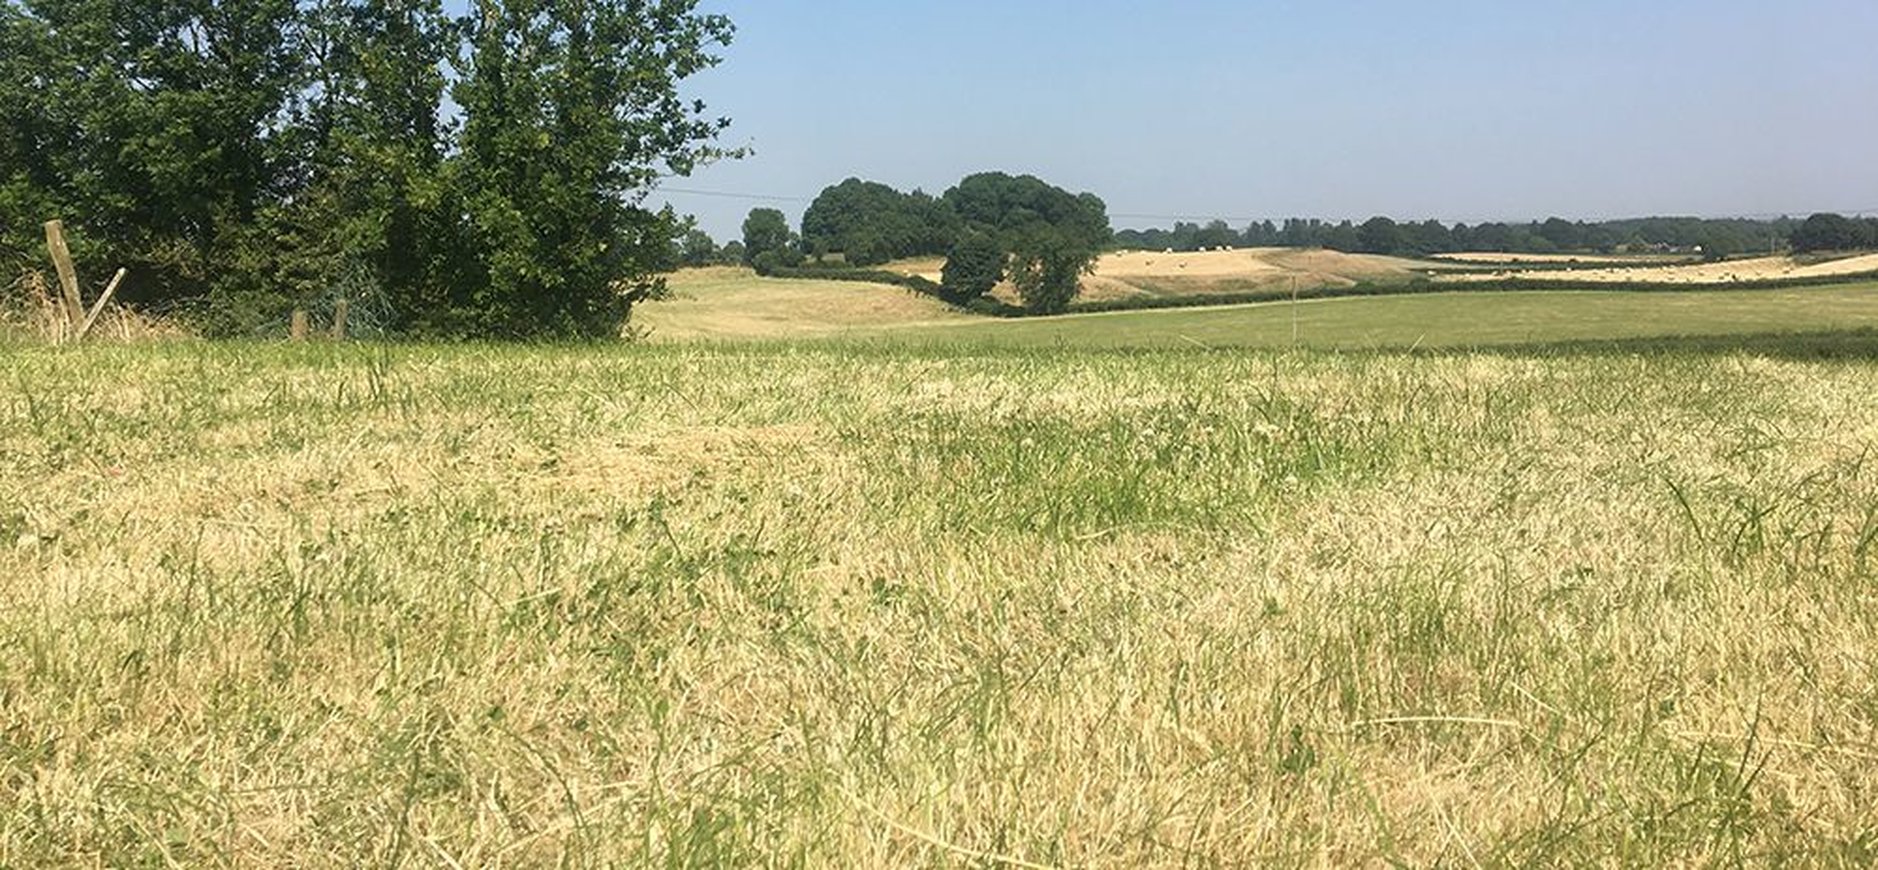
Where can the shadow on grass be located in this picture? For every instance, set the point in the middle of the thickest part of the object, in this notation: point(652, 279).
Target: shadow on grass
point(1845, 344)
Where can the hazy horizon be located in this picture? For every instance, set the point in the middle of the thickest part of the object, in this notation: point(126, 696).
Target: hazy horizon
point(1458, 111)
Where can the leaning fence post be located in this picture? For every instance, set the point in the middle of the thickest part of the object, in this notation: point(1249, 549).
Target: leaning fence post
point(103, 300)
point(297, 331)
point(68, 275)
point(339, 320)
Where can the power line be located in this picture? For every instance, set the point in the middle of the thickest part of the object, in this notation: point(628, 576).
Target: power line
point(765, 197)
point(721, 194)
point(1185, 217)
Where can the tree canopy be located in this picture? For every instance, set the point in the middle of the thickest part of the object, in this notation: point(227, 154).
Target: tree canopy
point(1834, 232)
point(243, 157)
point(1010, 206)
point(1051, 235)
point(870, 223)
point(697, 248)
point(989, 225)
point(765, 231)
point(973, 267)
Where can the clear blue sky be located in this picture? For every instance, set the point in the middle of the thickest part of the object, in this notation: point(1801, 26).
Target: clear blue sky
point(1455, 109)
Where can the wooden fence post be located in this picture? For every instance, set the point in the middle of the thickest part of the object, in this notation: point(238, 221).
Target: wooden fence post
point(91, 319)
point(339, 319)
point(297, 331)
point(68, 275)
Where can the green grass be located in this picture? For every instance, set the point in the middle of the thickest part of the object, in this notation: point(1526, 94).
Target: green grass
point(1437, 320)
point(834, 605)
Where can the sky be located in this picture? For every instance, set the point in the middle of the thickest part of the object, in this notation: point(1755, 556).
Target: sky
point(1451, 109)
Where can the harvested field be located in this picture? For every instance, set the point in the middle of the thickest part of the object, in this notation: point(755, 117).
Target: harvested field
point(1724, 272)
point(1131, 274)
point(1258, 267)
point(732, 303)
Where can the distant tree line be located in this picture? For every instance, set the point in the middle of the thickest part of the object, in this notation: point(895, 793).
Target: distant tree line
point(1833, 232)
point(1714, 238)
point(867, 223)
point(993, 226)
point(482, 174)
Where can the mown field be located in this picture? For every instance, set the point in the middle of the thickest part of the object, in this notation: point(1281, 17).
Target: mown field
point(727, 303)
point(734, 305)
point(839, 604)
point(1147, 275)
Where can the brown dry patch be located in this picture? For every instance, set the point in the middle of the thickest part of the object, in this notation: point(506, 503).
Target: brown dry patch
point(1204, 272)
point(1721, 273)
point(645, 463)
point(1348, 266)
point(930, 268)
point(239, 508)
point(1245, 263)
point(1104, 288)
point(725, 303)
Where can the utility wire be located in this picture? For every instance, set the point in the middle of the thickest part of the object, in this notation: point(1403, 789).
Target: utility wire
point(1187, 217)
point(764, 197)
point(720, 194)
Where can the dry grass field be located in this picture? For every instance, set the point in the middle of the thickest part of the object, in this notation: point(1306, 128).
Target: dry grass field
point(830, 605)
point(734, 305)
point(1723, 272)
point(1137, 274)
point(723, 303)
point(1255, 263)
point(1131, 274)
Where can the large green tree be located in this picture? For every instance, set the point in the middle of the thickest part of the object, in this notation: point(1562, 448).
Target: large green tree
point(765, 231)
point(973, 267)
point(157, 129)
point(871, 223)
point(1052, 236)
point(1047, 266)
point(247, 156)
point(697, 248)
point(373, 223)
point(572, 112)
point(1832, 232)
point(1379, 235)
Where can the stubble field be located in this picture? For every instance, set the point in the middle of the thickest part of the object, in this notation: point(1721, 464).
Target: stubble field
point(1722, 273)
point(1140, 275)
point(847, 605)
